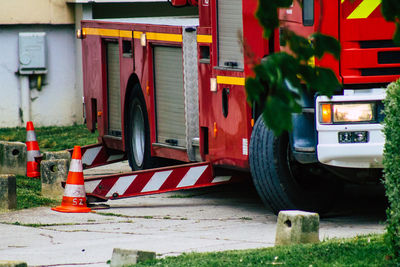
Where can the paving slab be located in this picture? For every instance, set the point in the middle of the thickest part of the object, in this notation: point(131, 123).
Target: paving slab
point(210, 219)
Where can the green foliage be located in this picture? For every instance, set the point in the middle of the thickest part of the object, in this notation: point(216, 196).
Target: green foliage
point(391, 12)
point(325, 43)
point(282, 78)
point(267, 14)
point(49, 139)
point(359, 251)
point(392, 166)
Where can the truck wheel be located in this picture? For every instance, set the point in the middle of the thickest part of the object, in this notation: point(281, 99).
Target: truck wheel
point(138, 132)
point(281, 182)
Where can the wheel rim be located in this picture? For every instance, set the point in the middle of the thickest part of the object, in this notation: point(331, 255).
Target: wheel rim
point(138, 135)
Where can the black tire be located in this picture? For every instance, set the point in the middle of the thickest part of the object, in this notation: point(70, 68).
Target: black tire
point(138, 134)
point(281, 182)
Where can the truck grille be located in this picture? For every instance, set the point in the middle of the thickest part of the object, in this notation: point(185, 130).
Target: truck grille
point(369, 55)
point(377, 44)
point(380, 71)
point(389, 57)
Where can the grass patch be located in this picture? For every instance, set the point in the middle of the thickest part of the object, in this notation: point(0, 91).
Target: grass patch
point(113, 214)
point(50, 139)
point(360, 251)
point(29, 193)
point(38, 225)
point(53, 138)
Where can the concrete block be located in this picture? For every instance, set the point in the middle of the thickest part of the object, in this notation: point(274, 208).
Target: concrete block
point(12, 158)
point(124, 257)
point(57, 155)
point(297, 227)
point(52, 173)
point(12, 264)
point(8, 191)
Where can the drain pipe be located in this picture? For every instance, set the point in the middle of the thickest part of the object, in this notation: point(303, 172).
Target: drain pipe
point(25, 107)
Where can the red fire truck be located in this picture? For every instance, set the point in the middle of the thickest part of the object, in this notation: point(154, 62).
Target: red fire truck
point(173, 88)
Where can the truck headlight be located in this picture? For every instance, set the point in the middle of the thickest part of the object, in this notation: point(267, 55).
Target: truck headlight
point(347, 113)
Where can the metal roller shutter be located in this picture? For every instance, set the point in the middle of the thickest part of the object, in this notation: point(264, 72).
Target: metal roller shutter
point(113, 89)
point(170, 103)
point(230, 27)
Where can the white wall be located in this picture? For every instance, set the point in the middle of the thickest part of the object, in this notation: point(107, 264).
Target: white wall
point(60, 100)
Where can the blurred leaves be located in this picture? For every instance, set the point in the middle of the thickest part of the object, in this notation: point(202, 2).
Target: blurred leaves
point(391, 12)
point(281, 78)
point(325, 44)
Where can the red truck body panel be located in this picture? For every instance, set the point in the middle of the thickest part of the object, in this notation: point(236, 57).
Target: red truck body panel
point(228, 137)
point(364, 35)
point(224, 140)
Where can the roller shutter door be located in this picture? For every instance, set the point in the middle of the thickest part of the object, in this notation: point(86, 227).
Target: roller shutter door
point(230, 27)
point(113, 89)
point(170, 104)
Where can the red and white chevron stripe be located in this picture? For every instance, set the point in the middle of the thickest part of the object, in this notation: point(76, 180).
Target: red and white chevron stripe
point(97, 155)
point(153, 181)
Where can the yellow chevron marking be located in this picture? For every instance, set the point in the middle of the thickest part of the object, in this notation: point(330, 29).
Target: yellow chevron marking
point(365, 9)
point(230, 80)
point(204, 38)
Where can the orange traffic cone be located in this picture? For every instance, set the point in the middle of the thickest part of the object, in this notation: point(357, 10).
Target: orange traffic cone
point(74, 199)
point(32, 146)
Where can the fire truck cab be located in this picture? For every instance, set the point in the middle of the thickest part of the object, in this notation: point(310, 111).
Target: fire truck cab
point(173, 87)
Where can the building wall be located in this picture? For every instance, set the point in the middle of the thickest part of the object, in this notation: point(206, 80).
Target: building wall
point(36, 12)
point(60, 100)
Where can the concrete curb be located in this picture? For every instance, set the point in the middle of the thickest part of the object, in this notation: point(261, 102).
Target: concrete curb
point(50, 155)
point(12, 264)
point(124, 257)
point(52, 173)
point(13, 158)
point(8, 191)
point(297, 227)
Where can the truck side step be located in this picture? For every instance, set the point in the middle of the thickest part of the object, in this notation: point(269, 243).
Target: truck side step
point(153, 181)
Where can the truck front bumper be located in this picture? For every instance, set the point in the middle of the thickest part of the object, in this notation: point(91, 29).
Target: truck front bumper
point(351, 155)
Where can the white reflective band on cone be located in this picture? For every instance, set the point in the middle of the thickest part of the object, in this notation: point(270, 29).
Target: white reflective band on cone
point(74, 190)
point(76, 165)
point(30, 136)
point(32, 154)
